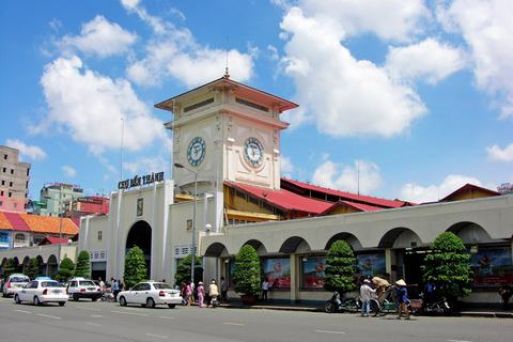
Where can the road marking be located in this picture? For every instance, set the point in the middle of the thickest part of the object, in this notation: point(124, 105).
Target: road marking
point(93, 324)
point(96, 316)
point(49, 316)
point(131, 313)
point(166, 317)
point(27, 312)
point(164, 337)
point(458, 341)
point(334, 332)
point(88, 309)
point(234, 324)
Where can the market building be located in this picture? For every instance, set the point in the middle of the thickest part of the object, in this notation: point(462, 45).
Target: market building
point(226, 191)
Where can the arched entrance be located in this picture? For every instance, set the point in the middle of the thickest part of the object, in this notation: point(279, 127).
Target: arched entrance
point(140, 236)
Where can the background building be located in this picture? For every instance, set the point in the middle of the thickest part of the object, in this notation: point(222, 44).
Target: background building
point(14, 180)
point(54, 196)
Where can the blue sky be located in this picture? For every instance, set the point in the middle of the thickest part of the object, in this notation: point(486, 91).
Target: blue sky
point(419, 98)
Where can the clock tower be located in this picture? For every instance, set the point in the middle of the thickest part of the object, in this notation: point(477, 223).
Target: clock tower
point(226, 131)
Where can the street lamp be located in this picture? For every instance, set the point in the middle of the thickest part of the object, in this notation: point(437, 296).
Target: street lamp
point(193, 251)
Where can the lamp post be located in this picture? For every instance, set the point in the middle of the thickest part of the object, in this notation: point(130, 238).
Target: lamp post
point(193, 250)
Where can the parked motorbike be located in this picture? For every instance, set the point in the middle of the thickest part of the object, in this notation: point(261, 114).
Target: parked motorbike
point(436, 306)
point(336, 304)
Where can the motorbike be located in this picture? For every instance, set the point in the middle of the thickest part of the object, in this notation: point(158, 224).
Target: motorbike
point(336, 304)
point(214, 302)
point(436, 306)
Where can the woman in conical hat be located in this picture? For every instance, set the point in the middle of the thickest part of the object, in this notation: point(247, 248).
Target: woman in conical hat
point(400, 282)
point(402, 298)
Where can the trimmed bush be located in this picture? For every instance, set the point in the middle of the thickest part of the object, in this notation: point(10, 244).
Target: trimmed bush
point(183, 270)
point(340, 268)
point(66, 269)
point(32, 268)
point(246, 273)
point(83, 265)
point(448, 266)
point(135, 266)
point(9, 267)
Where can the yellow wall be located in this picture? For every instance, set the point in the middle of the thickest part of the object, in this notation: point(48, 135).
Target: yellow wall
point(472, 194)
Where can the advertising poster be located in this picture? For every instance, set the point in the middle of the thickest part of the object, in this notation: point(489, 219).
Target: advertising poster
point(313, 272)
point(372, 264)
point(492, 267)
point(277, 271)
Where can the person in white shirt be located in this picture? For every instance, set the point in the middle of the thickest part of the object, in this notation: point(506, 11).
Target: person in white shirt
point(265, 289)
point(366, 293)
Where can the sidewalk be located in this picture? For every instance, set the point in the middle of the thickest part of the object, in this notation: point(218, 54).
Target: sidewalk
point(484, 312)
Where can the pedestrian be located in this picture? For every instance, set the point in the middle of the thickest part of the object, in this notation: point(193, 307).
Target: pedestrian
point(188, 293)
point(505, 292)
point(402, 299)
point(366, 294)
point(200, 294)
point(115, 289)
point(103, 287)
point(224, 290)
point(265, 289)
point(213, 292)
point(183, 293)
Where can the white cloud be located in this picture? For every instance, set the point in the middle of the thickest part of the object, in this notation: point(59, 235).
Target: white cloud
point(342, 95)
point(147, 165)
point(286, 167)
point(363, 176)
point(100, 37)
point(486, 26)
point(69, 171)
point(390, 20)
point(411, 62)
point(89, 107)
point(501, 154)
point(30, 151)
point(419, 194)
point(174, 52)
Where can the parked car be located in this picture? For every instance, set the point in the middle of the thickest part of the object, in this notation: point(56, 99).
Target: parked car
point(13, 283)
point(83, 288)
point(40, 292)
point(150, 294)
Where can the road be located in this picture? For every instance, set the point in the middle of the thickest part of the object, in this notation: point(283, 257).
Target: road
point(86, 321)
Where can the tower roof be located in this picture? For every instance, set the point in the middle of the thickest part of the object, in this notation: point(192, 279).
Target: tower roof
point(238, 88)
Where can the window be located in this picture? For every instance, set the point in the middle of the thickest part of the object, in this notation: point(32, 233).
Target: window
point(10, 194)
point(19, 238)
point(1, 203)
point(100, 235)
point(3, 182)
point(189, 225)
point(28, 171)
point(10, 183)
point(26, 185)
point(12, 171)
point(5, 156)
point(1, 193)
point(4, 170)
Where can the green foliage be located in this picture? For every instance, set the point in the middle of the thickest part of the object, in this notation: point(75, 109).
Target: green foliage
point(66, 269)
point(183, 270)
point(448, 267)
point(83, 265)
point(9, 267)
point(246, 274)
point(135, 266)
point(32, 268)
point(340, 268)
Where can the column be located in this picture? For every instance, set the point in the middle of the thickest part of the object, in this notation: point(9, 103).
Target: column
point(293, 278)
point(388, 260)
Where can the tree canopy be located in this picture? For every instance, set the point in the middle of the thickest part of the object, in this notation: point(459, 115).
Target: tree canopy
point(83, 265)
point(66, 269)
point(246, 273)
point(135, 266)
point(183, 270)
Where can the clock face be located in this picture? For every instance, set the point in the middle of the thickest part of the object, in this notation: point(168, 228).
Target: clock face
point(254, 152)
point(196, 151)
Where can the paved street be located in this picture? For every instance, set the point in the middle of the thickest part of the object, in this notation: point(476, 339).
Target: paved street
point(87, 321)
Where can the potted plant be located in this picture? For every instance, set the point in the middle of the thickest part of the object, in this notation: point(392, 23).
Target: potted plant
point(246, 274)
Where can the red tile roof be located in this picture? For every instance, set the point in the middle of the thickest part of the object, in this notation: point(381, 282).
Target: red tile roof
point(354, 205)
point(53, 240)
point(283, 199)
point(297, 186)
point(17, 222)
point(5, 224)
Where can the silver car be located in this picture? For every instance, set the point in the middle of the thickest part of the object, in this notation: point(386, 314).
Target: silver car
point(13, 283)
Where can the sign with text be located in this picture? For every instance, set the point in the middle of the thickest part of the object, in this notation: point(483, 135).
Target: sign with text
point(141, 180)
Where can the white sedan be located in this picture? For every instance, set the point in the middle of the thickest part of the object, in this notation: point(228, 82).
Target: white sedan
point(149, 294)
point(40, 292)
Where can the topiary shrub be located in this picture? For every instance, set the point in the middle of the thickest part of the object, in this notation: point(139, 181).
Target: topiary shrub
point(246, 273)
point(83, 265)
point(135, 266)
point(183, 270)
point(448, 267)
point(9, 267)
point(31, 270)
point(340, 268)
point(66, 269)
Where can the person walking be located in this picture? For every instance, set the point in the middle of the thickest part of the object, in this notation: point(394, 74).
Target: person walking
point(115, 289)
point(213, 292)
point(402, 299)
point(188, 293)
point(366, 294)
point(102, 285)
point(201, 294)
point(265, 289)
point(224, 290)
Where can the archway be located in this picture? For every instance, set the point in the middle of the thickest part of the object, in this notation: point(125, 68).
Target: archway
point(348, 237)
point(140, 236)
point(257, 245)
point(470, 232)
point(294, 244)
point(216, 250)
point(17, 265)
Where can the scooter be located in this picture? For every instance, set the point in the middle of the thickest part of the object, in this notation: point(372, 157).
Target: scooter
point(436, 306)
point(214, 302)
point(336, 304)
